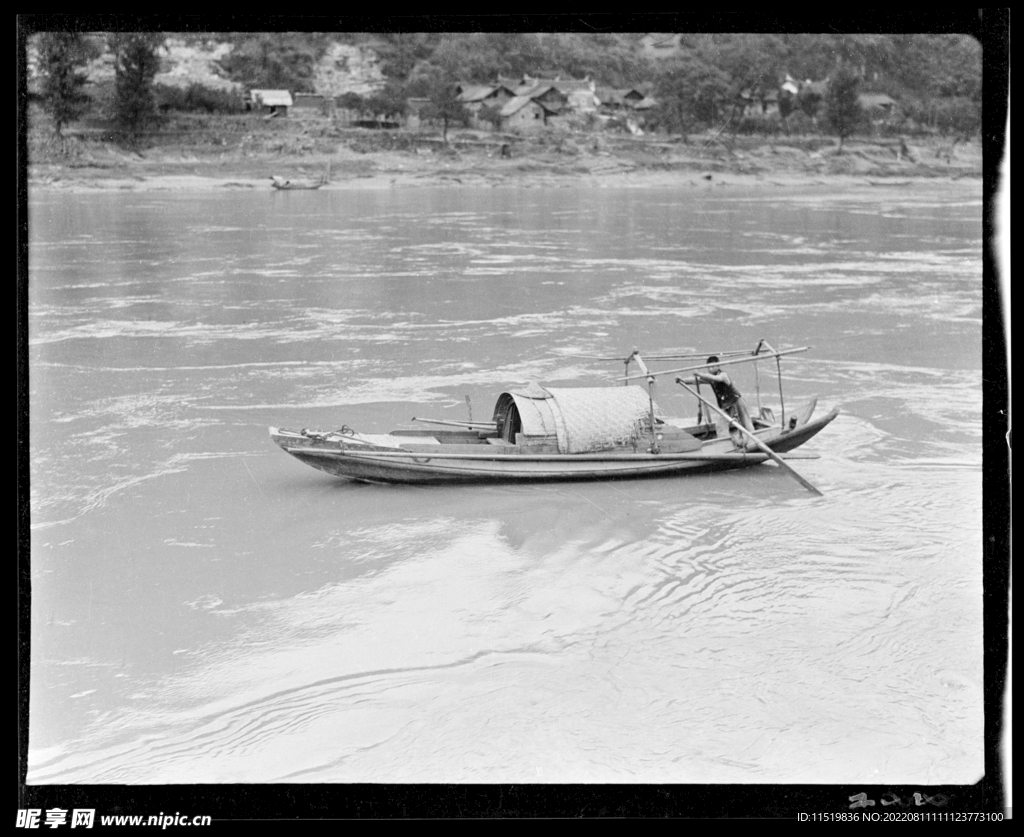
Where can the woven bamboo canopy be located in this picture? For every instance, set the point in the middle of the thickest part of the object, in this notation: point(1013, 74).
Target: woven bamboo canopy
point(582, 420)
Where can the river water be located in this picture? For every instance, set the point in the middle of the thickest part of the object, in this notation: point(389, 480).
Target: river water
point(207, 609)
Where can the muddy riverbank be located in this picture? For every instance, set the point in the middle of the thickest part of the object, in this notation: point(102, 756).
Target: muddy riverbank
point(246, 153)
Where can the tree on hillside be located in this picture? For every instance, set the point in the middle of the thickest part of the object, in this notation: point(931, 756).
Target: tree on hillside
point(811, 56)
point(787, 104)
point(400, 52)
point(809, 100)
point(135, 65)
point(444, 105)
point(480, 57)
point(752, 64)
point(506, 54)
point(959, 72)
point(843, 112)
point(958, 115)
point(61, 55)
point(275, 60)
point(390, 101)
point(689, 92)
point(350, 100)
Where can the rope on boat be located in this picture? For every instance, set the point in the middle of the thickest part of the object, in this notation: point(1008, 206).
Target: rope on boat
point(317, 436)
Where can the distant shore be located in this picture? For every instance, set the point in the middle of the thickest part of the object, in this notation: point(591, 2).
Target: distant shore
point(214, 159)
point(199, 182)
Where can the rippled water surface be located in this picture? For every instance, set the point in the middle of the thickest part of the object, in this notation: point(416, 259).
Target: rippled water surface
point(207, 609)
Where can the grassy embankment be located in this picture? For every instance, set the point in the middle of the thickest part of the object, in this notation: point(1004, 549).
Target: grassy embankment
point(245, 151)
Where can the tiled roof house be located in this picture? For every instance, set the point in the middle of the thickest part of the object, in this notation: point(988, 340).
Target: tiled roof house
point(475, 96)
point(612, 98)
point(525, 113)
point(580, 94)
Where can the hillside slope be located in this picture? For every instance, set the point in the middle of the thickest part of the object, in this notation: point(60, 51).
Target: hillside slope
point(187, 60)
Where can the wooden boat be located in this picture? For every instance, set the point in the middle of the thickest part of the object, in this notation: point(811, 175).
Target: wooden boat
point(281, 183)
point(546, 434)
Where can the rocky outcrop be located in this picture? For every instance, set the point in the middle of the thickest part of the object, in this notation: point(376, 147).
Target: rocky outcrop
point(348, 69)
point(184, 64)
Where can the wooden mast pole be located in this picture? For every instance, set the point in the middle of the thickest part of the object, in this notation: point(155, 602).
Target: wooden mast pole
point(650, 396)
point(778, 366)
point(757, 378)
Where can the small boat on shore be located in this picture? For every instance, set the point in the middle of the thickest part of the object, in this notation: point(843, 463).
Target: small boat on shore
point(284, 184)
point(281, 183)
point(548, 434)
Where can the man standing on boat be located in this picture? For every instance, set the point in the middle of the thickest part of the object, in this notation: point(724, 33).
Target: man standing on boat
point(729, 398)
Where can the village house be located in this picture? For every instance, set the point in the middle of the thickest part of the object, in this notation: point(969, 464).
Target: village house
point(798, 91)
point(764, 103)
point(613, 100)
point(551, 98)
point(519, 86)
point(879, 107)
point(308, 102)
point(475, 97)
point(318, 104)
point(525, 114)
point(270, 102)
point(580, 95)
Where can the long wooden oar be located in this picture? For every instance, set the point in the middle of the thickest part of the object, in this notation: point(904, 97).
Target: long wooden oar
point(733, 423)
point(483, 425)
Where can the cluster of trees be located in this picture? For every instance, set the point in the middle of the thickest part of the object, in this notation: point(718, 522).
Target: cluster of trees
point(925, 73)
point(443, 105)
point(936, 78)
point(62, 55)
point(62, 58)
point(275, 60)
point(198, 98)
point(136, 63)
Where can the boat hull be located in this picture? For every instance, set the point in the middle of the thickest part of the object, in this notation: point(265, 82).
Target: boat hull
point(492, 465)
